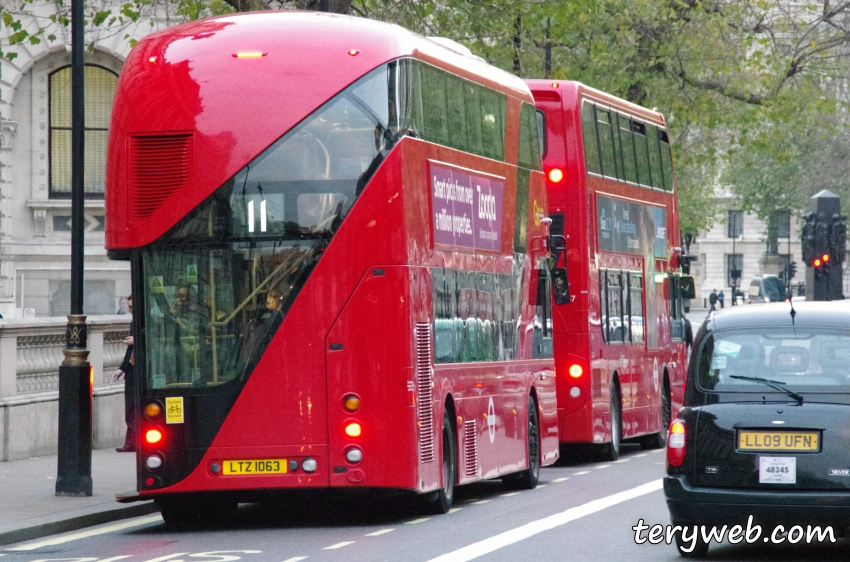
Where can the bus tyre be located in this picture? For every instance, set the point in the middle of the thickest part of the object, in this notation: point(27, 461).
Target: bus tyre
point(528, 478)
point(659, 440)
point(441, 501)
point(611, 450)
point(700, 547)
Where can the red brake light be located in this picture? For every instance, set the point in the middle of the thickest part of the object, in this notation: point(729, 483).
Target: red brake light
point(353, 429)
point(353, 52)
point(825, 258)
point(575, 370)
point(817, 262)
point(556, 85)
point(676, 443)
point(153, 436)
point(556, 175)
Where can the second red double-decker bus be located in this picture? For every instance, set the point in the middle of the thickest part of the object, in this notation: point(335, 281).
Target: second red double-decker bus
point(620, 348)
point(339, 260)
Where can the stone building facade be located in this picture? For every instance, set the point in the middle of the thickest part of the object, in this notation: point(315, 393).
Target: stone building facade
point(35, 205)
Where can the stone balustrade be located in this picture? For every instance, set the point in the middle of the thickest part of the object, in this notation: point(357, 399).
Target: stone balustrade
point(30, 356)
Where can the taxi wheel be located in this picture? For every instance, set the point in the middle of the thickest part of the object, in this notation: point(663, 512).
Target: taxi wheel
point(528, 478)
point(611, 450)
point(700, 548)
point(441, 501)
point(659, 440)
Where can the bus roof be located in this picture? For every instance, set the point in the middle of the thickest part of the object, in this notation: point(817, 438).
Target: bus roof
point(570, 89)
point(239, 82)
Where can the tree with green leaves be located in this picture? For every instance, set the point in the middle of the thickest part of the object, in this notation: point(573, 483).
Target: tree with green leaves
point(733, 77)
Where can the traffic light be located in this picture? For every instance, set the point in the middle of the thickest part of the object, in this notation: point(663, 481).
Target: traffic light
point(808, 239)
point(792, 270)
point(821, 265)
point(685, 264)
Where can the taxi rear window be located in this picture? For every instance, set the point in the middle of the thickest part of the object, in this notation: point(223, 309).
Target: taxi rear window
point(802, 360)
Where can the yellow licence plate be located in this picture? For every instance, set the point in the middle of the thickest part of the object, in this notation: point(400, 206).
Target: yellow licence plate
point(254, 466)
point(778, 441)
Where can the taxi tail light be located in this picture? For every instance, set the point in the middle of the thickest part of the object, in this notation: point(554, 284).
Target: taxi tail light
point(676, 443)
point(153, 436)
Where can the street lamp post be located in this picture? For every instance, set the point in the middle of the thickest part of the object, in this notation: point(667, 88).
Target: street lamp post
point(75, 385)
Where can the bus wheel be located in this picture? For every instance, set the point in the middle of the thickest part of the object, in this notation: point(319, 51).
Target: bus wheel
point(659, 440)
point(441, 501)
point(611, 450)
point(528, 478)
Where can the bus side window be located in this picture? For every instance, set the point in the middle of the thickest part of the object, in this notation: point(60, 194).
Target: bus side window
point(636, 307)
point(543, 317)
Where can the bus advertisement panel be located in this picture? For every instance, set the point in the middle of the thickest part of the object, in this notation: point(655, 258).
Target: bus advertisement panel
point(621, 340)
point(337, 267)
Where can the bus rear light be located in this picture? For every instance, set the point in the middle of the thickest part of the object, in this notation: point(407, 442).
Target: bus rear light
point(152, 410)
point(353, 429)
point(353, 52)
point(575, 392)
point(153, 436)
point(676, 443)
point(351, 402)
point(354, 455)
point(575, 370)
point(249, 55)
point(556, 175)
point(556, 85)
point(153, 462)
point(151, 60)
point(149, 481)
point(309, 465)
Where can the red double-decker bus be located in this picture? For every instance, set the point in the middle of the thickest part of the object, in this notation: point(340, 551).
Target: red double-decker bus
point(339, 261)
point(620, 348)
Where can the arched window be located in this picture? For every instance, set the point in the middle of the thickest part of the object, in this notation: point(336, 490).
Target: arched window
point(99, 90)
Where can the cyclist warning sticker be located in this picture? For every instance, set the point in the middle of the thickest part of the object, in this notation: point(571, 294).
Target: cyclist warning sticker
point(191, 273)
point(174, 409)
point(155, 283)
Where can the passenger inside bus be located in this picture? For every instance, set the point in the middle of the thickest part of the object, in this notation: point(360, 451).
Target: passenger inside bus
point(259, 330)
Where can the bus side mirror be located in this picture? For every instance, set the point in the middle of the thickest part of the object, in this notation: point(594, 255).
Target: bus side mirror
point(560, 279)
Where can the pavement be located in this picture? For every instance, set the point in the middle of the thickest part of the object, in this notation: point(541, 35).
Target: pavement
point(30, 508)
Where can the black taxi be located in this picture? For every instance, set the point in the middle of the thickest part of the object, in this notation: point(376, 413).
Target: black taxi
point(765, 426)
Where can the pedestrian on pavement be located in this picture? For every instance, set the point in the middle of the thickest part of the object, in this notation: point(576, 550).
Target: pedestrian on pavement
point(127, 370)
point(720, 298)
point(712, 300)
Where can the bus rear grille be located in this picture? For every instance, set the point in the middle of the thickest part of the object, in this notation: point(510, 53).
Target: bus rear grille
point(424, 391)
point(595, 383)
point(160, 165)
point(591, 227)
point(470, 448)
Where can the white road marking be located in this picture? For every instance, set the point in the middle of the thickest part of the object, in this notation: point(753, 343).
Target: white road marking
point(502, 540)
point(296, 559)
point(602, 466)
point(454, 509)
point(479, 502)
point(640, 455)
point(138, 522)
point(338, 545)
point(417, 521)
point(509, 494)
point(659, 451)
point(381, 532)
point(582, 472)
point(560, 479)
point(623, 460)
point(540, 486)
point(471, 500)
